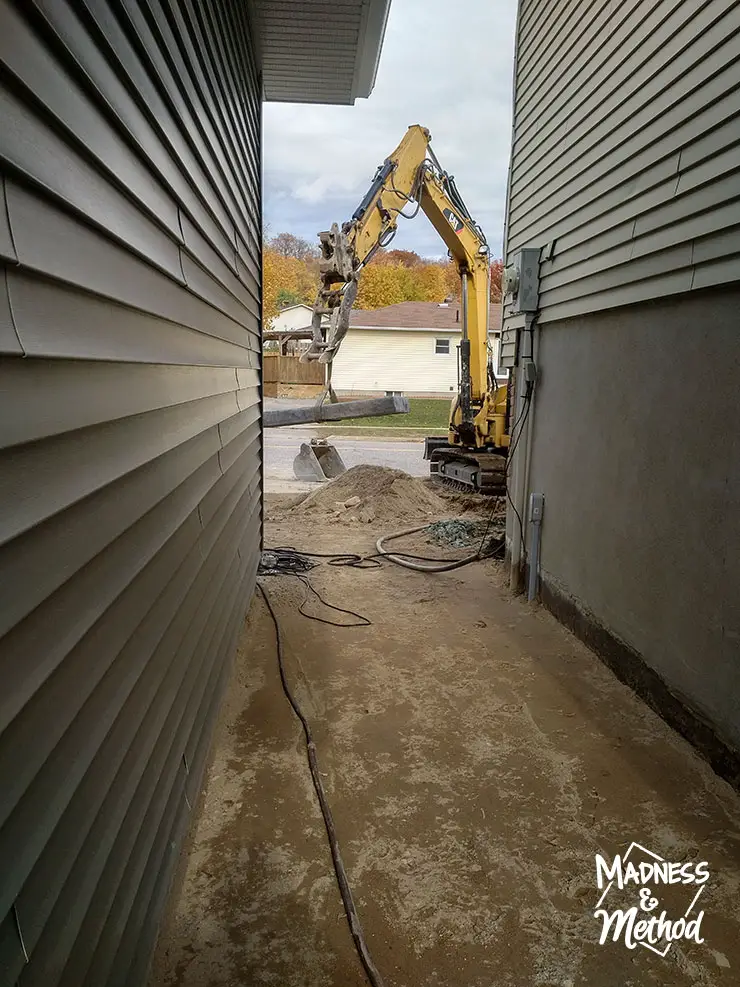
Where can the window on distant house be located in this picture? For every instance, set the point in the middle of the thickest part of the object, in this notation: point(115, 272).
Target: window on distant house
point(442, 347)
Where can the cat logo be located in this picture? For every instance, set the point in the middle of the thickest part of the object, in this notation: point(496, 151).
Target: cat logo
point(453, 219)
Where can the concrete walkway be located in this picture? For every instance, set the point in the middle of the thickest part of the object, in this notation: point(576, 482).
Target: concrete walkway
point(476, 758)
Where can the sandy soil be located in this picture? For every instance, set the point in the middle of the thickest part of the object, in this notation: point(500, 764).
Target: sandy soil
point(476, 758)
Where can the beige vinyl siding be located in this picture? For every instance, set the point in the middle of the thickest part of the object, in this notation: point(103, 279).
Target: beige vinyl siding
point(396, 360)
point(626, 150)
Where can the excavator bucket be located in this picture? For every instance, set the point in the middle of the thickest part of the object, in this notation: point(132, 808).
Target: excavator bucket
point(318, 460)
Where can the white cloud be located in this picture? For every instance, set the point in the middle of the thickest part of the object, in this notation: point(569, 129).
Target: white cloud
point(446, 66)
point(312, 191)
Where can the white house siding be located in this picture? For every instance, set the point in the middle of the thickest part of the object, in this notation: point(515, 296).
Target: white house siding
point(295, 317)
point(395, 360)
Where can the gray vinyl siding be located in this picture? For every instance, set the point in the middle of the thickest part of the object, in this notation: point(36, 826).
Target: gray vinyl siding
point(626, 153)
point(130, 456)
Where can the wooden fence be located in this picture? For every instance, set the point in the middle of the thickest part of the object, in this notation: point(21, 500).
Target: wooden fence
point(278, 370)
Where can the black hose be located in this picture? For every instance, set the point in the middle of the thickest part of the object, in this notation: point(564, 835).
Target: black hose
point(345, 891)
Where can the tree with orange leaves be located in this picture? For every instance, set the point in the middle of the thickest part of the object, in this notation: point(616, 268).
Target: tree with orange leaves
point(290, 275)
point(497, 274)
point(285, 279)
point(452, 279)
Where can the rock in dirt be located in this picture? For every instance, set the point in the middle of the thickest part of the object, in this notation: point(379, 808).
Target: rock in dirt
point(380, 491)
point(468, 533)
point(457, 533)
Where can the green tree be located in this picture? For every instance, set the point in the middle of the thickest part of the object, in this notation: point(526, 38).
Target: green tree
point(286, 297)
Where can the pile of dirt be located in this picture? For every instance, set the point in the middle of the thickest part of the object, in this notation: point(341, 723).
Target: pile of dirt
point(465, 502)
point(365, 493)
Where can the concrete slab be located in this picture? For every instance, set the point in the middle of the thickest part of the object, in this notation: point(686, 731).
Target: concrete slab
point(476, 757)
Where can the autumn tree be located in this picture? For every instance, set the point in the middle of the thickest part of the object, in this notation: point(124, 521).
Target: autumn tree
point(291, 276)
point(289, 245)
point(285, 280)
point(380, 285)
point(388, 282)
point(431, 282)
point(407, 258)
point(452, 279)
point(497, 273)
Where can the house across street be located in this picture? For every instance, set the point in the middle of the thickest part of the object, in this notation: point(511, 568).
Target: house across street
point(292, 317)
point(409, 348)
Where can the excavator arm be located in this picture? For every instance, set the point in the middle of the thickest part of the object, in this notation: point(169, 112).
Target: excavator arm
point(412, 177)
point(373, 225)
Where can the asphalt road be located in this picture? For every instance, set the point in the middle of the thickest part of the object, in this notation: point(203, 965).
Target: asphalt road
point(282, 445)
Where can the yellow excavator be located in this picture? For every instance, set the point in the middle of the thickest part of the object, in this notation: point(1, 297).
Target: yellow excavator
point(473, 455)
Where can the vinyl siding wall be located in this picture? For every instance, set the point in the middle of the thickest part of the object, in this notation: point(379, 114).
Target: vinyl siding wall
point(130, 456)
point(626, 173)
point(292, 318)
point(396, 360)
point(626, 149)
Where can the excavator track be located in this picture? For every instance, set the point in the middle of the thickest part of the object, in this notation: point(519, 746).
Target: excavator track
point(458, 469)
point(455, 485)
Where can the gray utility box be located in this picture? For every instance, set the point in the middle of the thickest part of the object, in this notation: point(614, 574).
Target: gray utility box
point(521, 282)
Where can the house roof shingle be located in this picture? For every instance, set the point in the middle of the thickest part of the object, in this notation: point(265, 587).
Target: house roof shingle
point(417, 315)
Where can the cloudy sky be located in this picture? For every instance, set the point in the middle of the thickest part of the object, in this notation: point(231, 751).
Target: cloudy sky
point(446, 65)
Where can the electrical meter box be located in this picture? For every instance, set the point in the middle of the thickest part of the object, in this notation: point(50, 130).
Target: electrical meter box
point(521, 281)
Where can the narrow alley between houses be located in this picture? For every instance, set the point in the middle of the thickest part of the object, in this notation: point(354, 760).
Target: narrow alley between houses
point(476, 758)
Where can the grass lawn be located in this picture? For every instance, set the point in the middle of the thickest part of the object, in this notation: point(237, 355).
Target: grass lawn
point(431, 413)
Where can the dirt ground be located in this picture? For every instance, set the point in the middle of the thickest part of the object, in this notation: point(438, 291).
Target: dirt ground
point(476, 758)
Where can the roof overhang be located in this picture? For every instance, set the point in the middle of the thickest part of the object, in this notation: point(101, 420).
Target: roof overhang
point(439, 331)
point(319, 51)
